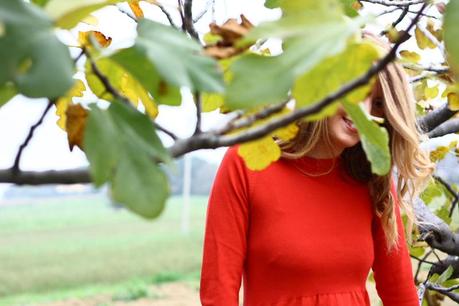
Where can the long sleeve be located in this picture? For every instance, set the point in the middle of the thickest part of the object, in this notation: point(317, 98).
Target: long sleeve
point(226, 228)
point(392, 271)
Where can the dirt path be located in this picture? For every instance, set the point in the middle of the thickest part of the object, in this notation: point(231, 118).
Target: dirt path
point(170, 294)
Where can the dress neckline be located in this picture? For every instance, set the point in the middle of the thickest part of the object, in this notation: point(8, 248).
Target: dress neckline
point(312, 166)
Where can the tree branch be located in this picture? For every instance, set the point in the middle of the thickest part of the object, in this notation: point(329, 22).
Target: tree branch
point(448, 127)
point(15, 169)
point(167, 14)
point(188, 19)
point(436, 117)
point(394, 2)
point(197, 101)
point(73, 176)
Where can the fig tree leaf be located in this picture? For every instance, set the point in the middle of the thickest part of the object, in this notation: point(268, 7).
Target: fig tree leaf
point(122, 146)
point(260, 153)
point(178, 59)
point(140, 185)
point(375, 139)
point(451, 33)
point(68, 13)
point(7, 92)
point(332, 73)
point(32, 57)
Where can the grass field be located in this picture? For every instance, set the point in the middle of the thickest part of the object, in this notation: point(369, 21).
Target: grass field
point(50, 247)
point(77, 251)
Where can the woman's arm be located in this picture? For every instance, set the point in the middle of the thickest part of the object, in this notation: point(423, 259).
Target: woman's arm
point(225, 233)
point(392, 271)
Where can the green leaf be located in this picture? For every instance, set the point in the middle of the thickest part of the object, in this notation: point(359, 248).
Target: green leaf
point(310, 30)
point(272, 4)
point(100, 145)
point(451, 33)
point(445, 275)
point(40, 2)
point(140, 184)
point(177, 59)
point(68, 13)
point(33, 58)
point(7, 92)
point(375, 139)
point(332, 73)
point(121, 145)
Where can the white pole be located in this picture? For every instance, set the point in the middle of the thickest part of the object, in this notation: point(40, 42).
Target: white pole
point(186, 194)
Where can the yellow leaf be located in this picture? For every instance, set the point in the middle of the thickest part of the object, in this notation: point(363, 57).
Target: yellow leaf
point(410, 56)
point(453, 101)
point(211, 101)
point(288, 132)
point(84, 38)
point(431, 92)
point(260, 153)
point(91, 20)
point(132, 90)
point(63, 102)
point(439, 153)
point(75, 124)
point(422, 40)
point(136, 9)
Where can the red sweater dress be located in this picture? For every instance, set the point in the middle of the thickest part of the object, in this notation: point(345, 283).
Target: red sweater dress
point(294, 239)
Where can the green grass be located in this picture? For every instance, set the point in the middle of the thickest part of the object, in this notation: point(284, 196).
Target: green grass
point(82, 246)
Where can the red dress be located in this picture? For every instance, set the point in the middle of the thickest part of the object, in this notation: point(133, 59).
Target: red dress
point(297, 240)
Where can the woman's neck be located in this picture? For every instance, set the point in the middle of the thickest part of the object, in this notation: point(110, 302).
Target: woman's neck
point(321, 151)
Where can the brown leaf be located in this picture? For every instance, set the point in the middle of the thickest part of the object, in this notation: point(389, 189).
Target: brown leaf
point(230, 32)
point(75, 124)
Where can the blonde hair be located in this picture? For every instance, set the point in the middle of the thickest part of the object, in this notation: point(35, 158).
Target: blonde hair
point(413, 165)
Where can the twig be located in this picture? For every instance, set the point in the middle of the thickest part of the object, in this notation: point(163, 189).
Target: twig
point(399, 19)
point(15, 169)
point(394, 2)
point(189, 26)
point(245, 122)
point(167, 14)
point(209, 4)
point(122, 10)
point(197, 101)
point(445, 291)
point(164, 130)
point(451, 191)
point(73, 176)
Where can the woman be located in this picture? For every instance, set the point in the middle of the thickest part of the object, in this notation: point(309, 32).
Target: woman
point(308, 229)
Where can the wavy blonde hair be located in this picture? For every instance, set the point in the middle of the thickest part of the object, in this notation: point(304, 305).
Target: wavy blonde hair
point(414, 167)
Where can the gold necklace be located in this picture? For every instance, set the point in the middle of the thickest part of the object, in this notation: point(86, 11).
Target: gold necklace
point(320, 174)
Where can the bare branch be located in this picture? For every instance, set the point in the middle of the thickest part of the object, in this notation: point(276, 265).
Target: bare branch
point(436, 117)
point(188, 19)
point(448, 127)
point(451, 191)
point(399, 19)
point(209, 4)
point(127, 13)
point(197, 101)
point(167, 14)
point(73, 176)
point(245, 122)
point(445, 291)
point(15, 169)
point(394, 2)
